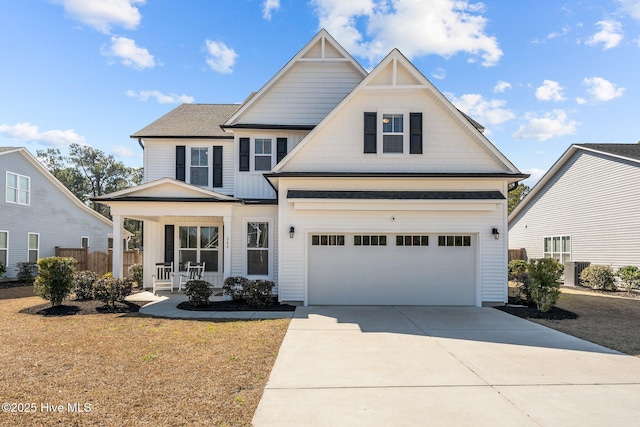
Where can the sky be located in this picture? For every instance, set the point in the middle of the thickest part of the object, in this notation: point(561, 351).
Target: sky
point(540, 75)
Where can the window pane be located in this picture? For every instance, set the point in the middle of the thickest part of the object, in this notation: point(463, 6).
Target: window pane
point(257, 235)
point(208, 237)
point(407, 240)
point(397, 123)
point(23, 197)
point(12, 195)
point(263, 163)
point(458, 240)
point(374, 240)
point(466, 241)
point(332, 240)
point(399, 241)
point(424, 240)
point(3, 257)
point(33, 256)
point(24, 183)
point(3, 240)
point(199, 157)
point(383, 240)
point(566, 244)
point(262, 146)
point(33, 241)
point(357, 240)
point(315, 240)
point(556, 244)
point(366, 241)
point(392, 143)
point(442, 241)
point(188, 237)
point(450, 241)
point(187, 255)
point(324, 240)
point(210, 258)
point(85, 242)
point(416, 240)
point(12, 180)
point(340, 240)
point(200, 176)
point(547, 244)
point(258, 262)
point(387, 123)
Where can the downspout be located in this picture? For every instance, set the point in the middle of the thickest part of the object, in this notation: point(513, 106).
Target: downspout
point(510, 188)
point(140, 143)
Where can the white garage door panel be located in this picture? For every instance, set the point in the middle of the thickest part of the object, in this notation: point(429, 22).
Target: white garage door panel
point(392, 275)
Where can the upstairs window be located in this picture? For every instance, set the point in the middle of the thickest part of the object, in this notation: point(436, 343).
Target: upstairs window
point(199, 167)
point(262, 154)
point(393, 133)
point(18, 188)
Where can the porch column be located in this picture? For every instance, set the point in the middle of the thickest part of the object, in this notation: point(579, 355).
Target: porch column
point(118, 224)
point(226, 250)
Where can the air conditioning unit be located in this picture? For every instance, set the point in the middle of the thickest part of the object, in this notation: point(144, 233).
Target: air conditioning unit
point(572, 270)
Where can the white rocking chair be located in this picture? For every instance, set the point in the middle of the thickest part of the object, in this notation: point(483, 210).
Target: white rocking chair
point(195, 271)
point(163, 278)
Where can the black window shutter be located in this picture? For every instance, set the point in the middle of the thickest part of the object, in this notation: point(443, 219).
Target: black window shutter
point(244, 155)
point(282, 148)
point(415, 133)
point(217, 165)
point(168, 243)
point(180, 162)
point(370, 132)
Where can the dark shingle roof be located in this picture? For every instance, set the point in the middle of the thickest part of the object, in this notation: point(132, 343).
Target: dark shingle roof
point(631, 151)
point(396, 195)
point(191, 121)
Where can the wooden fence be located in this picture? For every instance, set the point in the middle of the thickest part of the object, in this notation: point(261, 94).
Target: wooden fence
point(517, 254)
point(100, 262)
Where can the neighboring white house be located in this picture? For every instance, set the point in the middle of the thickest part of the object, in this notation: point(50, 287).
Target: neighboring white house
point(342, 186)
point(37, 213)
point(585, 208)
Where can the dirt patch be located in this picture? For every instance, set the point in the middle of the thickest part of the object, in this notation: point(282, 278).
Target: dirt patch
point(235, 306)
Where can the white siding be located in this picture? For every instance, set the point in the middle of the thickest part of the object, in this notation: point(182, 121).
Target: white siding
point(305, 94)
point(492, 253)
point(594, 199)
point(448, 145)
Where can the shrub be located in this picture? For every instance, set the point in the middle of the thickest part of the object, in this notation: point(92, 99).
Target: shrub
point(83, 282)
point(110, 290)
point(26, 272)
point(198, 292)
point(544, 274)
point(519, 274)
point(598, 277)
point(137, 274)
point(3, 270)
point(234, 287)
point(55, 279)
point(629, 277)
point(259, 293)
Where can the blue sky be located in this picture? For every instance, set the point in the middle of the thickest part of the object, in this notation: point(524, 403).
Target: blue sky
point(539, 75)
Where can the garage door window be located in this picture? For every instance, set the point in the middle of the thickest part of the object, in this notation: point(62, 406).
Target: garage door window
point(258, 248)
point(367, 240)
point(412, 240)
point(327, 240)
point(454, 240)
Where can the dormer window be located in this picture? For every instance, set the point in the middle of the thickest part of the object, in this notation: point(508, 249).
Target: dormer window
point(393, 133)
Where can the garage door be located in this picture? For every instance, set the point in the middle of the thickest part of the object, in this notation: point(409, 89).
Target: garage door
point(392, 269)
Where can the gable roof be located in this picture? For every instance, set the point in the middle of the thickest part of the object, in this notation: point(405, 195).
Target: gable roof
point(170, 190)
point(629, 152)
point(191, 121)
point(54, 181)
point(404, 76)
point(321, 46)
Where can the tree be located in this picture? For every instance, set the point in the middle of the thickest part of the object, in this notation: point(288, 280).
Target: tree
point(517, 195)
point(544, 274)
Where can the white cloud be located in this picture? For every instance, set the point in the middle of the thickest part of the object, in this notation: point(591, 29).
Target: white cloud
point(29, 132)
point(631, 8)
point(121, 151)
point(610, 34)
point(535, 173)
point(602, 89)
point(268, 7)
point(486, 112)
point(550, 125)
point(220, 57)
point(501, 86)
point(103, 14)
point(160, 97)
point(581, 101)
point(439, 73)
point(129, 53)
point(563, 32)
point(550, 91)
point(417, 28)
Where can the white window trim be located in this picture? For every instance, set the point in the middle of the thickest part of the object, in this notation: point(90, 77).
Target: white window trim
point(209, 165)
point(252, 154)
point(245, 258)
point(405, 132)
point(552, 252)
point(82, 238)
point(18, 176)
point(29, 234)
point(176, 239)
point(7, 248)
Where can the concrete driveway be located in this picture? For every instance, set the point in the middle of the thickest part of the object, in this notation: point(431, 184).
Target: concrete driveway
point(449, 366)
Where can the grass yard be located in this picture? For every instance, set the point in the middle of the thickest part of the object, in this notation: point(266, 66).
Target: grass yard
point(131, 369)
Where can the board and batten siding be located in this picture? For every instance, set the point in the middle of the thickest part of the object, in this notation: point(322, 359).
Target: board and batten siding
point(51, 213)
point(391, 219)
point(595, 199)
point(160, 160)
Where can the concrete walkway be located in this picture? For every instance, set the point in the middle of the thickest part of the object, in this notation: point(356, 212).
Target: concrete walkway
point(165, 304)
point(443, 366)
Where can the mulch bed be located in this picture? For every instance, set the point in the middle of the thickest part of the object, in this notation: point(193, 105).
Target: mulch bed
point(526, 312)
point(73, 307)
point(235, 306)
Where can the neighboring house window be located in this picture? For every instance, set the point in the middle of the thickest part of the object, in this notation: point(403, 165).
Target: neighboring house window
point(327, 240)
point(454, 240)
point(198, 244)
point(18, 188)
point(199, 166)
point(84, 242)
point(4, 247)
point(262, 154)
point(34, 247)
point(369, 240)
point(258, 248)
point(558, 248)
point(393, 133)
point(412, 240)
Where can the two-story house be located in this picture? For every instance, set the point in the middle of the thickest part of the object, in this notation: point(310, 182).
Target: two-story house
point(342, 186)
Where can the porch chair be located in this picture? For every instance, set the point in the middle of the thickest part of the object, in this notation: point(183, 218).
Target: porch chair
point(195, 271)
point(163, 278)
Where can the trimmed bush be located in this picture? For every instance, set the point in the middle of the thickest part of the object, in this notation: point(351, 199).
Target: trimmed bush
point(629, 276)
point(110, 290)
point(198, 292)
point(259, 293)
point(83, 282)
point(234, 287)
point(137, 274)
point(26, 272)
point(544, 274)
point(519, 274)
point(55, 279)
point(598, 277)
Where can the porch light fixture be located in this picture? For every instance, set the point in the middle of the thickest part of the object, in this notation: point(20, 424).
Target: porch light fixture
point(292, 231)
point(495, 233)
